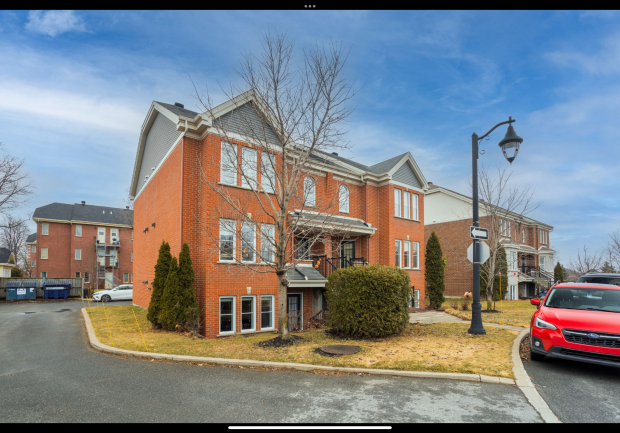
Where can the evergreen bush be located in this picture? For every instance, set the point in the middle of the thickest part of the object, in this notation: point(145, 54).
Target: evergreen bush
point(157, 286)
point(368, 301)
point(170, 298)
point(558, 272)
point(188, 316)
point(434, 272)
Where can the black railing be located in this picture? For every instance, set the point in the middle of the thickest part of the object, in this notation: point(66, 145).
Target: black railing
point(536, 272)
point(326, 265)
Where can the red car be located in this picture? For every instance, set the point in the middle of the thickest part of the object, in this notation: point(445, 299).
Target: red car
point(578, 321)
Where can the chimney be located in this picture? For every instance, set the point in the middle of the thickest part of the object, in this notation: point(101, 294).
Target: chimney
point(430, 183)
point(335, 153)
point(126, 207)
point(178, 104)
point(83, 203)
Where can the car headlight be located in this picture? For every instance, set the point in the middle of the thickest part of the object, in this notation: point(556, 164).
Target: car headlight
point(539, 323)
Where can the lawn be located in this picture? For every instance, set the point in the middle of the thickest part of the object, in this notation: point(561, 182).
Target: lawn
point(515, 313)
point(441, 347)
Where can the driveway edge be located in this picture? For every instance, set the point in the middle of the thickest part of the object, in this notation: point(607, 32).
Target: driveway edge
point(96, 344)
point(525, 384)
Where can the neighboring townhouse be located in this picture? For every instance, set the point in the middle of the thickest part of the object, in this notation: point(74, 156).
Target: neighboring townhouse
point(526, 241)
point(7, 262)
point(31, 252)
point(83, 241)
point(382, 205)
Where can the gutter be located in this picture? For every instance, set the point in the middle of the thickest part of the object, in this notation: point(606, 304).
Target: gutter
point(182, 177)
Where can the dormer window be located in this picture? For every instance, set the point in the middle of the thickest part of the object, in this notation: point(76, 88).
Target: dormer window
point(344, 198)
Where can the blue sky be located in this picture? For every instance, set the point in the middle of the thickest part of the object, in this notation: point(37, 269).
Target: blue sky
point(75, 87)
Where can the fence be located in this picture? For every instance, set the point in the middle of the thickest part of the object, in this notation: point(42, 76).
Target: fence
point(76, 285)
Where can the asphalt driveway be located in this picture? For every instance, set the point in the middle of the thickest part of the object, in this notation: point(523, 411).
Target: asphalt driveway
point(576, 391)
point(49, 374)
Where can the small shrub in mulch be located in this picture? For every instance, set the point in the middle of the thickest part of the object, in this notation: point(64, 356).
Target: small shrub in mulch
point(280, 342)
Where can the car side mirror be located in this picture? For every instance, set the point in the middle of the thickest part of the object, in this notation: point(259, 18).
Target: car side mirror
point(535, 301)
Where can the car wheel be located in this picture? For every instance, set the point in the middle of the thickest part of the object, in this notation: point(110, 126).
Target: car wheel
point(106, 298)
point(537, 356)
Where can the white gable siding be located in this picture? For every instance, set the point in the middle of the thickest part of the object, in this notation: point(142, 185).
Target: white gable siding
point(406, 175)
point(441, 208)
point(160, 138)
point(244, 121)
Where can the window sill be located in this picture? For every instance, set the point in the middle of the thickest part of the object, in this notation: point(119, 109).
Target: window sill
point(246, 188)
point(407, 219)
point(229, 334)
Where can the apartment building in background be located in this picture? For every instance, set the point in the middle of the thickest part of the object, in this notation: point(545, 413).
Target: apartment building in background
point(83, 241)
point(382, 206)
point(526, 242)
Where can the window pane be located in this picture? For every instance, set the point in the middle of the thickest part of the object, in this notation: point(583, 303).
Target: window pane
point(407, 254)
point(228, 164)
point(249, 167)
point(309, 191)
point(248, 242)
point(227, 239)
point(266, 308)
point(414, 206)
point(416, 247)
point(303, 248)
point(247, 313)
point(267, 241)
point(78, 254)
point(344, 199)
point(78, 230)
point(226, 315)
point(45, 229)
point(406, 198)
point(268, 174)
point(397, 262)
point(397, 202)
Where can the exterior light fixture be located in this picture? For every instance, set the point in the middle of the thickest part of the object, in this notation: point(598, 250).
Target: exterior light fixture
point(153, 225)
point(510, 143)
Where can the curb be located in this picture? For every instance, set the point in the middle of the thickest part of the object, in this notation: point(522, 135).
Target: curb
point(96, 344)
point(525, 384)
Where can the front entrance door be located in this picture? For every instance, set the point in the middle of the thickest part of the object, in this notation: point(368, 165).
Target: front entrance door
point(294, 311)
point(347, 253)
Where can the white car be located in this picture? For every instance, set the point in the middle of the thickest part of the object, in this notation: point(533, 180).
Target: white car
point(120, 293)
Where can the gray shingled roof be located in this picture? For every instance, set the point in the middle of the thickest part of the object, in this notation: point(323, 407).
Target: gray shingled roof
point(5, 255)
point(299, 273)
point(178, 110)
point(87, 213)
point(31, 238)
point(386, 166)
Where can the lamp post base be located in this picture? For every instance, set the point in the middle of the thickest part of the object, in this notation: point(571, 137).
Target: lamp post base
point(476, 320)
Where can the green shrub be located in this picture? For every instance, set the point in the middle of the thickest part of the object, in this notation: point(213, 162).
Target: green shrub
point(188, 317)
point(434, 269)
point(157, 286)
point(368, 301)
point(170, 298)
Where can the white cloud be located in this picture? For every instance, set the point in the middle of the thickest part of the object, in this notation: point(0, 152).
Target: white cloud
point(605, 61)
point(53, 23)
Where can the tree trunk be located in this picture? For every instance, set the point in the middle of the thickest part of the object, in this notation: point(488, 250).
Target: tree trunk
point(489, 298)
point(282, 306)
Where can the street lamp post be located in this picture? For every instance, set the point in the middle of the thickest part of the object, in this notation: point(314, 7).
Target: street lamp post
point(510, 148)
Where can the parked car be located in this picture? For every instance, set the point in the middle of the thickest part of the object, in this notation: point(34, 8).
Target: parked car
point(600, 278)
point(578, 321)
point(120, 293)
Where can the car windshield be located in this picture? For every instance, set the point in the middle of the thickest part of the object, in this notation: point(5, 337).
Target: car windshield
point(584, 299)
point(599, 280)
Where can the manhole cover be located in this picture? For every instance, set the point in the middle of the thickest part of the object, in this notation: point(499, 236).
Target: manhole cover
point(340, 349)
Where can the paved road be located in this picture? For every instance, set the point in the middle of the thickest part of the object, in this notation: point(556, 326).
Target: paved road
point(48, 374)
point(577, 392)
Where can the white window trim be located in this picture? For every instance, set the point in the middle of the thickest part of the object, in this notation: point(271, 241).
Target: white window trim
point(417, 249)
point(273, 312)
point(409, 260)
point(253, 225)
point(343, 204)
point(253, 329)
point(309, 192)
point(76, 230)
point(268, 176)
point(45, 232)
point(397, 202)
point(400, 254)
point(78, 275)
point(417, 216)
point(223, 169)
point(268, 245)
point(219, 316)
point(234, 242)
point(46, 253)
point(76, 254)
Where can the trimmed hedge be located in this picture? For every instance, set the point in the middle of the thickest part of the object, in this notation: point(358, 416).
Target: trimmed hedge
point(368, 301)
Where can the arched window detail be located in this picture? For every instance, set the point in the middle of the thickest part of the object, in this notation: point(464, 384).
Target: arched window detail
point(344, 198)
point(309, 192)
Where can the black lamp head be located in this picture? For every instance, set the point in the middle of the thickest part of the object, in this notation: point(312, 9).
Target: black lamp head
point(510, 144)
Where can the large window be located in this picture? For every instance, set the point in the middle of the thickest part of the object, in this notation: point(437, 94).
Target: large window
point(268, 174)
point(248, 242)
point(34, 248)
point(406, 204)
point(414, 207)
point(228, 164)
point(44, 252)
point(267, 242)
point(397, 202)
point(397, 254)
point(45, 229)
point(542, 263)
point(227, 314)
point(415, 254)
point(303, 248)
point(249, 167)
point(247, 313)
point(309, 191)
point(125, 277)
point(266, 312)
point(407, 254)
point(227, 240)
point(78, 254)
point(78, 230)
point(344, 198)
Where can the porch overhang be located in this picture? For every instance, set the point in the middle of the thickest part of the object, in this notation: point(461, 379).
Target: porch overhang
point(334, 224)
point(305, 276)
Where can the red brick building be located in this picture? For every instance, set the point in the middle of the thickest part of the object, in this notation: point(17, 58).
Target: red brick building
point(83, 241)
point(384, 214)
point(525, 240)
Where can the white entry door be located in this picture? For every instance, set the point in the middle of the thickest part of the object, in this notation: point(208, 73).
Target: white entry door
point(101, 235)
point(113, 236)
point(109, 278)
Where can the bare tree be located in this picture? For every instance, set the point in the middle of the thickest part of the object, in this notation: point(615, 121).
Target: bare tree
point(612, 249)
point(13, 233)
point(300, 110)
point(14, 185)
point(586, 262)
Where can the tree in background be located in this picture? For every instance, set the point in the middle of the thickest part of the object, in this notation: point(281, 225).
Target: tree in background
point(188, 314)
point(14, 184)
point(608, 267)
point(16, 273)
point(434, 272)
point(498, 292)
point(586, 262)
point(13, 235)
point(558, 272)
point(159, 281)
point(169, 302)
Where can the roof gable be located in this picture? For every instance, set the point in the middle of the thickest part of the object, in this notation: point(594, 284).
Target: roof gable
point(31, 238)
point(406, 175)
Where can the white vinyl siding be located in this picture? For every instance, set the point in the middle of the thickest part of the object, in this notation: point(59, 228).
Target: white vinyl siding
point(267, 242)
point(407, 204)
point(44, 252)
point(343, 195)
point(227, 240)
point(45, 229)
point(309, 192)
point(397, 202)
point(397, 254)
point(415, 255)
point(78, 230)
point(228, 164)
point(249, 167)
point(248, 242)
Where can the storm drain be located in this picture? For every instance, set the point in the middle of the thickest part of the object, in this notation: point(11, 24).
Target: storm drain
point(64, 310)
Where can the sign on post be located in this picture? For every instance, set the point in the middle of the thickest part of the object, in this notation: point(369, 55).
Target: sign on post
point(485, 252)
point(478, 233)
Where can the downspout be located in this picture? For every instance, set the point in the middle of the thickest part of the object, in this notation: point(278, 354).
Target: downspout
point(182, 173)
point(366, 214)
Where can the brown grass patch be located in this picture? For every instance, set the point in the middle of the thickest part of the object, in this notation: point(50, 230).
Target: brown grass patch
point(440, 347)
point(515, 313)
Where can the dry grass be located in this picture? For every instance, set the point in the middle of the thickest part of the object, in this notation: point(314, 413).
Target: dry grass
point(515, 313)
point(441, 347)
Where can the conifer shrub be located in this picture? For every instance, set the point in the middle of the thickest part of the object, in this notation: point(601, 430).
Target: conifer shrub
point(558, 272)
point(170, 298)
point(434, 269)
point(368, 301)
point(188, 316)
point(157, 286)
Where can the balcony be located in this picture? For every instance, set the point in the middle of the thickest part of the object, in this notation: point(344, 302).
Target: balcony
point(108, 241)
point(326, 265)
